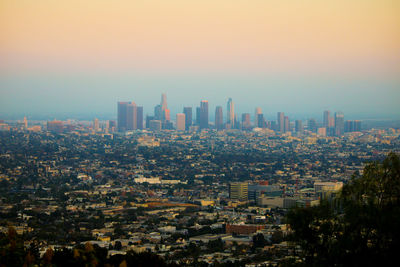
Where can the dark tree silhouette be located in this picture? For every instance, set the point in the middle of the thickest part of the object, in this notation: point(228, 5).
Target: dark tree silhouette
point(360, 228)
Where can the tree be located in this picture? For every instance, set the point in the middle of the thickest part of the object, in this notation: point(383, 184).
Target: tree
point(277, 237)
point(360, 227)
point(12, 251)
point(118, 245)
point(259, 241)
point(215, 245)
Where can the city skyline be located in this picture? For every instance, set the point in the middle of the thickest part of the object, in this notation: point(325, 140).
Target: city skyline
point(67, 104)
point(301, 56)
point(130, 118)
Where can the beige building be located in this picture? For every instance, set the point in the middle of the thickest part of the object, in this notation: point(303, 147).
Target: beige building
point(238, 191)
point(180, 121)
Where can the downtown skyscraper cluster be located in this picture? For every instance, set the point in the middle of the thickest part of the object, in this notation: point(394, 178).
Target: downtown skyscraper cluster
point(130, 117)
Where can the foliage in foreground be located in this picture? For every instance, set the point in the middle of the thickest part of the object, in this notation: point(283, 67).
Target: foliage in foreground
point(360, 228)
point(13, 253)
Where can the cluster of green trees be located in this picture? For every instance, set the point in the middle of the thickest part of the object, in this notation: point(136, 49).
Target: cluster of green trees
point(360, 228)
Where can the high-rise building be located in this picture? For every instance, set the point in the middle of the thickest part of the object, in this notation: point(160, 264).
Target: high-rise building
point(230, 115)
point(164, 105)
point(167, 115)
point(219, 121)
point(148, 119)
point(155, 125)
point(198, 111)
point(326, 118)
point(161, 111)
point(246, 123)
point(274, 126)
point(287, 124)
point(312, 125)
point(357, 126)
point(204, 114)
point(168, 125)
point(299, 126)
point(260, 120)
point(96, 125)
point(158, 112)
point(238, 191)
point(122, 107)
point(188, 117)
point(131, 116)
point(258, 111)
point(281, 122)
point(339, 123)
point(112, 126)
point(128, 116)
point(139, 116)
point(352, 126)
point(348, 126)
point(180, 122)
point(331, 122)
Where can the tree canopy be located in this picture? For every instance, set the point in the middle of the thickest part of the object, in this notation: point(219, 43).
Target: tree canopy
point(359, 228)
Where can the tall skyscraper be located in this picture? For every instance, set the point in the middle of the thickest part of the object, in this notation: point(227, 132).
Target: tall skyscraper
point(230, 115)
point(112, 125)
point(139, 121)
point(357, 126)
point(131, 116)
point(246, 124)
point(352, 126)
point(348, 126)
point(122, 112)
point(128, 116)
point(339, 123)
point(198, 111)
point(281, 122)
point(148, 119)
point(286, 127)
point(188, 117)
point(204, 114)
point(260, 120)
point(326, 118)
point(180, 122)
point(312, 125)
point(331, 122)
point(164, 105)
point(258, 111)
point(158, 112)
point(219, 121)
point(299, 126)
point(167, 115)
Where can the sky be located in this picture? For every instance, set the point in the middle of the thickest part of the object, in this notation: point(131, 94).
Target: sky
point(297, 56)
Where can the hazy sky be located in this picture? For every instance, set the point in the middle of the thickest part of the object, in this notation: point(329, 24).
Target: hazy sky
point(297, 56)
